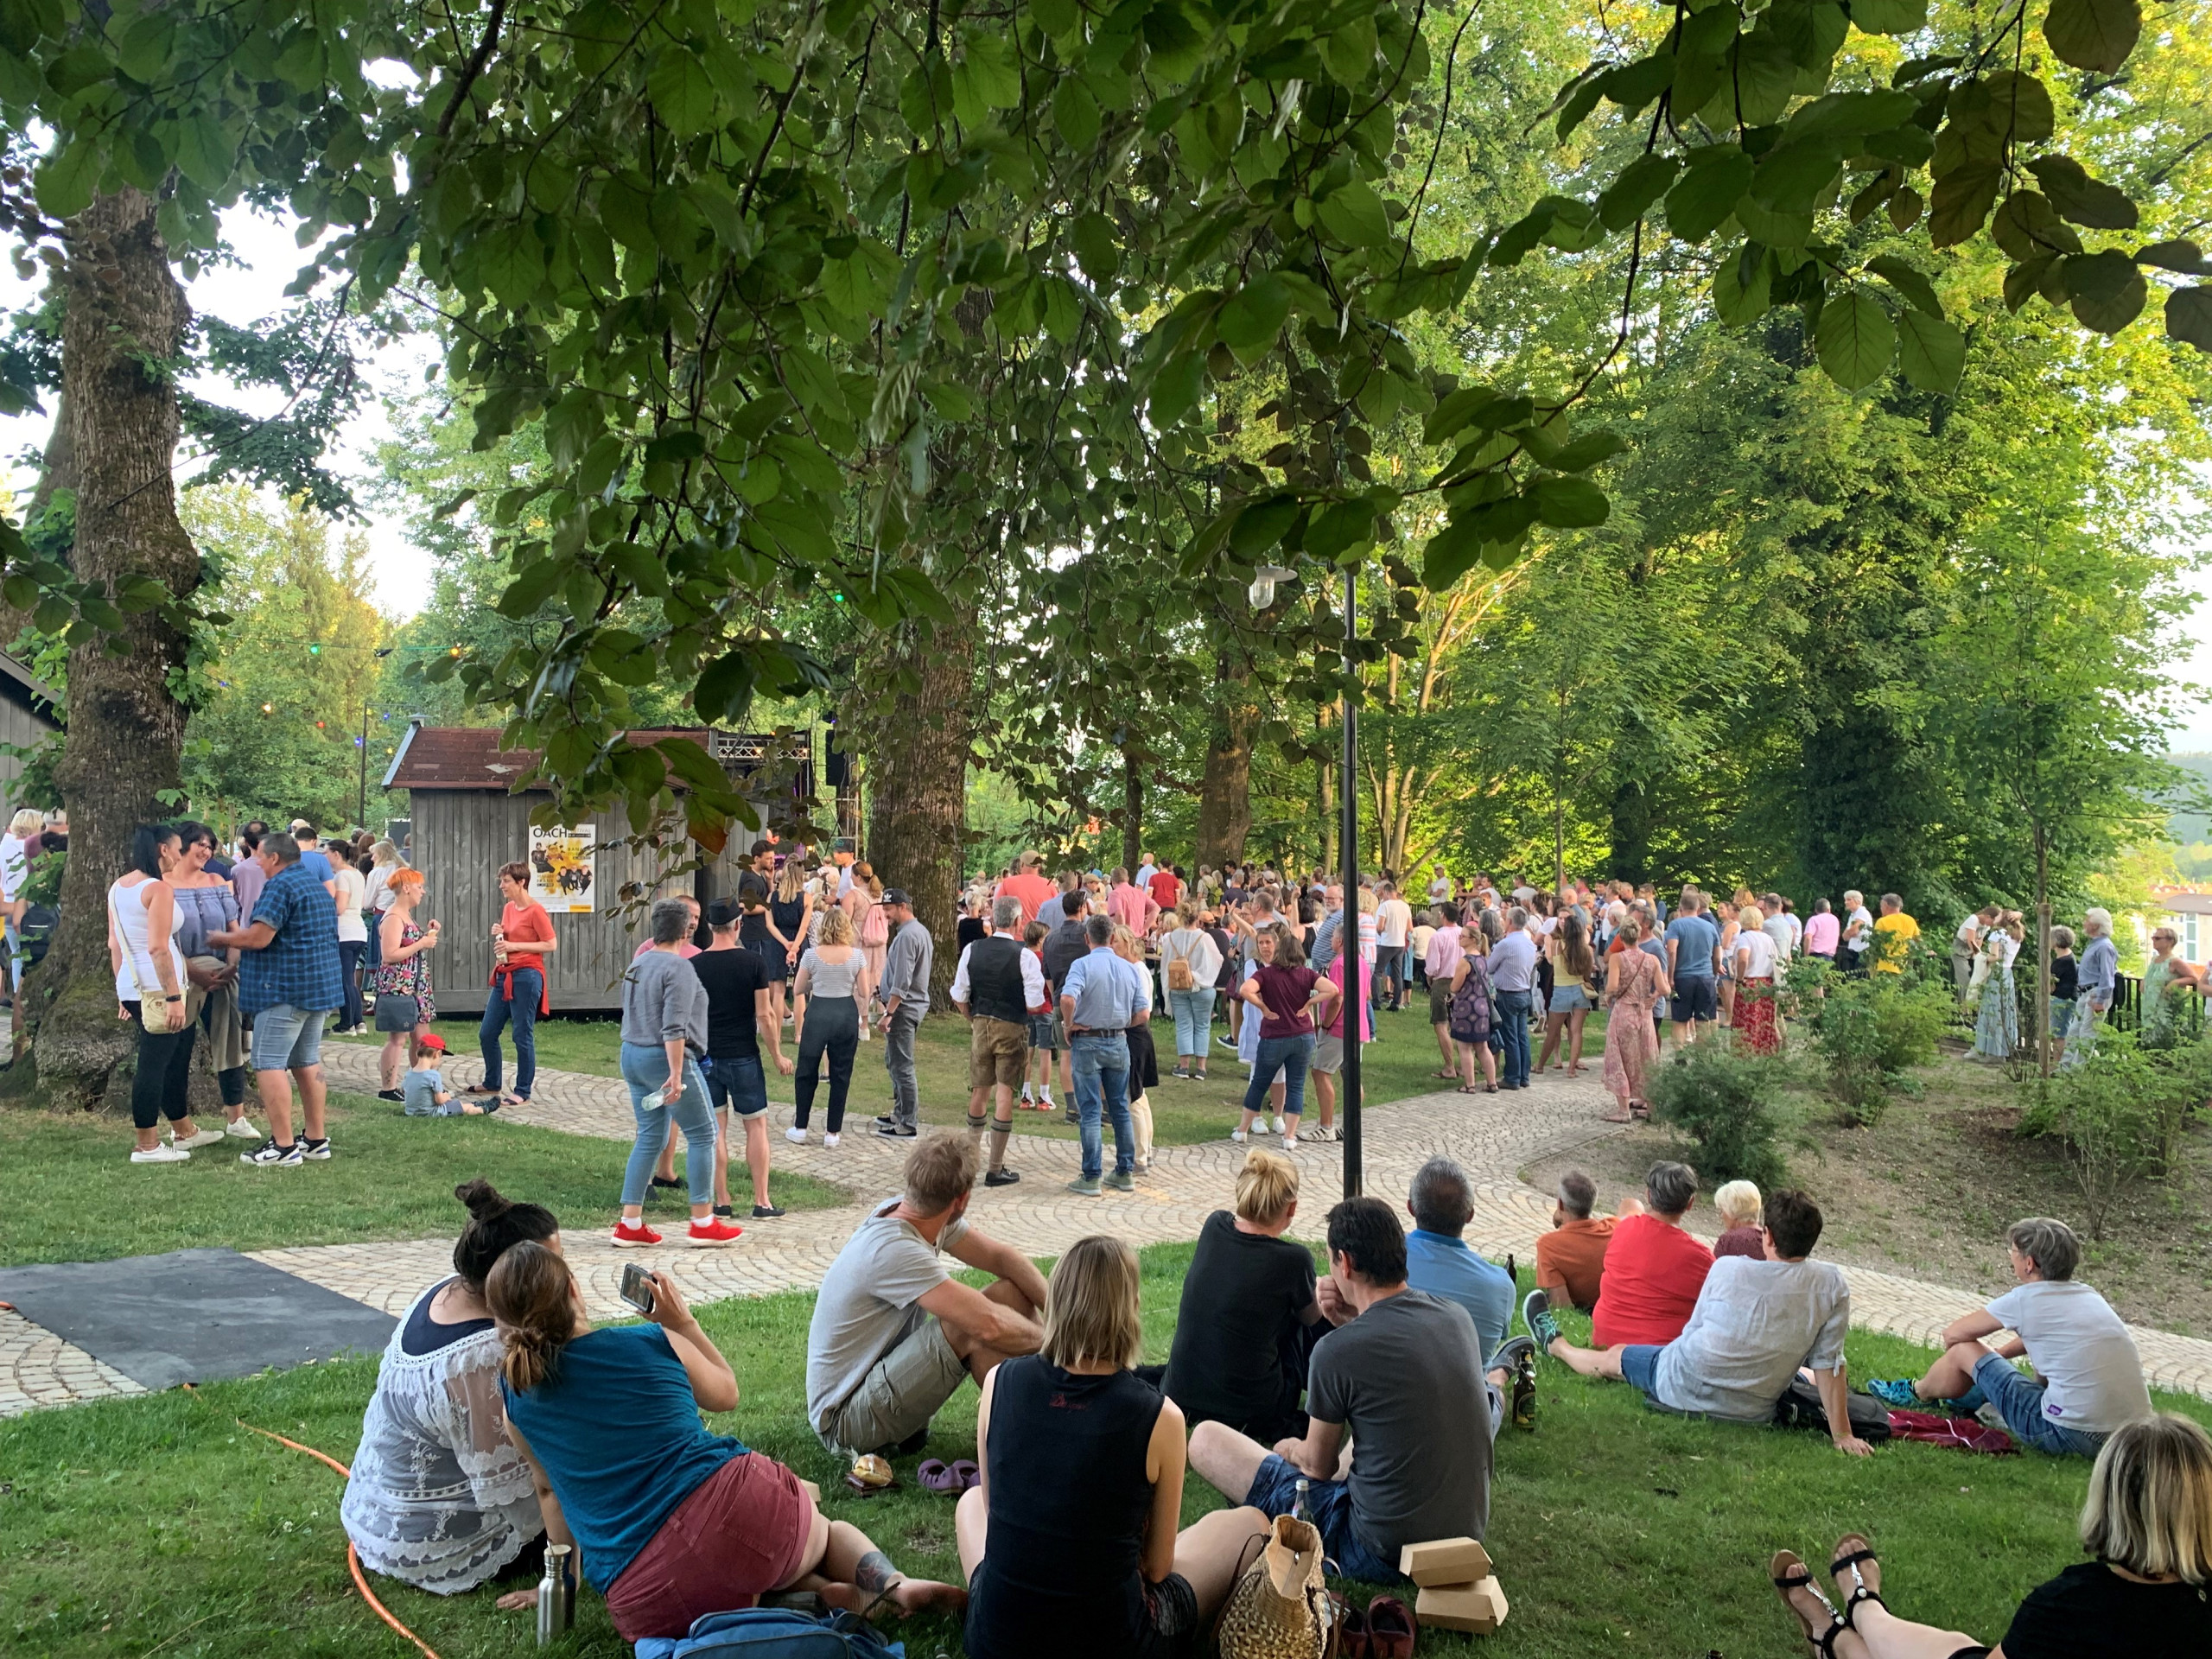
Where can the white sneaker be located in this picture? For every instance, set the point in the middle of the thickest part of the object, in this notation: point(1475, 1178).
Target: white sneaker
point(243, 1128)
point(1290, 1143)
point(831, 1141)
point(201, 1138)
point(160, 1155)
point(1279, 1123)
point(1237, 1136)
point(796, 1136)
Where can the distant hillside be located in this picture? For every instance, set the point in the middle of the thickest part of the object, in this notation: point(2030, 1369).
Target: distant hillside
point(2194, 826)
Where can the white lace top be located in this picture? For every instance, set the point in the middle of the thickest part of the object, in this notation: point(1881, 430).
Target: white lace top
point(439, 1497)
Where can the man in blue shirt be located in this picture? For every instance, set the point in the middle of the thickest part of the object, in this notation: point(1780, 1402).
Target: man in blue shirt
point(1101, 997)
point(1439, 1261)
point(1694, 966)
point(1513, 980)
point(289, 978)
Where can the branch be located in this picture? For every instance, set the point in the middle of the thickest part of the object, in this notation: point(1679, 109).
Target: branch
point(474, 67)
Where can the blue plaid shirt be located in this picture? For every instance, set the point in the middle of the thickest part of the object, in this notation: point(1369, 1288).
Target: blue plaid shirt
point(299, 967)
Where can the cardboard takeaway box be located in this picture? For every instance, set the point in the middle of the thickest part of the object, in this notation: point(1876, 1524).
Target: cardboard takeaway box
point(1458, 1592)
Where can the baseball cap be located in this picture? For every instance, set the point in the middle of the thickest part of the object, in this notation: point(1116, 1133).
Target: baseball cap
point(897, 896)
point(432, 1041)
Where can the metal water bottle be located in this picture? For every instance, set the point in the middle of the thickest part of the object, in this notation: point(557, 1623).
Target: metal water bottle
point(556, 1596)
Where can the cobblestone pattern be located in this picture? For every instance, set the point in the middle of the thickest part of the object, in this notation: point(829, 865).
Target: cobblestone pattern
point(38, 1369)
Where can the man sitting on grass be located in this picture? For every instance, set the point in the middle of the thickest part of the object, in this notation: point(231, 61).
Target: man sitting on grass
point(2088, 1378)
point(1402, 1375)
point(1654, 1270)
point(1755, 1322)
point(893, 1334)
point(1441, 1261)
point(1571, 1258)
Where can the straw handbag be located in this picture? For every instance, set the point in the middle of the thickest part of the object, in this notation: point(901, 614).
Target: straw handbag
point(1278, 1609)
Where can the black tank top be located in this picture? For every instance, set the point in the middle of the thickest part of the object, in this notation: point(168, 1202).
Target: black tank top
point(1061, 1571)
point(788, 912)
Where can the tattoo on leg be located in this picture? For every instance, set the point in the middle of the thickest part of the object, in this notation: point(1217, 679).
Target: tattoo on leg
point(875, 1575)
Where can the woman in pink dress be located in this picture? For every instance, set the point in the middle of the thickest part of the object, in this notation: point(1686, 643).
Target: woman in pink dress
point(1635, 981)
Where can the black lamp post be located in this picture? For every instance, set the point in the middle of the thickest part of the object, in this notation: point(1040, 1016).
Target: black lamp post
point(362, 804)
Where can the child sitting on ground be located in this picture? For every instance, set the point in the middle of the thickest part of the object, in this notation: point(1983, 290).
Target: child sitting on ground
point(1739, 1205)
point(423, 1088)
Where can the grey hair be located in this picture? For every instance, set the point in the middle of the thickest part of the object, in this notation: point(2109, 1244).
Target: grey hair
point(1578, 1194)
point(2062, 939)
point(1442, 1199)
point(282, 849)
point(671, 920)
point(1516, 919)
point(2049, 1244)
point(1671, 1186)
point(1099, 929)
point(1006, 914)
point(2097, 921)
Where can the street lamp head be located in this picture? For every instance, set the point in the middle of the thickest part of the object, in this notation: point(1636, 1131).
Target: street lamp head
point(1262, 590)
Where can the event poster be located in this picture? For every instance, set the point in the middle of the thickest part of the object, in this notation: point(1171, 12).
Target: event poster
point(560, 865)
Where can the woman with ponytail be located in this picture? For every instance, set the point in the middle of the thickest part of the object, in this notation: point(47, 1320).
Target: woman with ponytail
point(669, 1522)
point(440, 1497)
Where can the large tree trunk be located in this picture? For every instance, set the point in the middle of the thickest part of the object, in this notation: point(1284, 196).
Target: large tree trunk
point(917, 777)
point(1225, 793)
point(1630, 859)
point(124, 310)
point(1131, 812)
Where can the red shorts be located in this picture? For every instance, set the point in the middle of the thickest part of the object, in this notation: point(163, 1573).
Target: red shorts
point(741, 1534)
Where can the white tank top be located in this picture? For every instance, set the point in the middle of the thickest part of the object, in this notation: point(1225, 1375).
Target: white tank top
point(126, 910)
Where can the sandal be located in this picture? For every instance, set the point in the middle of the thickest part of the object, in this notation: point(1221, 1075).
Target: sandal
point(936, 1476)
point(1779, 1569)
point(1616, 1117)
point(1389, 1628)
point(969, 1474)
point(1352, 1642)
point(1851, 1549)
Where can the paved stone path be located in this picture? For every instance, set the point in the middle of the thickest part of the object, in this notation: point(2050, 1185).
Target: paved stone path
point(1492, 1135)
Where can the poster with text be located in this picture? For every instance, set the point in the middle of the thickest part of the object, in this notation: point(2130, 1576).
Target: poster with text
point(561, 867)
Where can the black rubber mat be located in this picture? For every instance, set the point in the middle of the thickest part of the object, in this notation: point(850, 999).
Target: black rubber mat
point(192, 1316)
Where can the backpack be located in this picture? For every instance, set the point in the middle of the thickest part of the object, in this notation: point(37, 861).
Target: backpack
point(876, 926)
point(1799, 1407)
point(1180, 977)
point(774, 1633)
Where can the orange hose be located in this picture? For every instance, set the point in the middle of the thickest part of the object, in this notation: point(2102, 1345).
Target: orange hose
point(353, 1555)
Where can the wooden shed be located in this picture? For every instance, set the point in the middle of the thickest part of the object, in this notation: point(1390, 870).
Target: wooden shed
point(468, 820)
point(26, 717)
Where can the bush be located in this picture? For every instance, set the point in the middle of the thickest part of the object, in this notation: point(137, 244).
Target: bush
point(2120, 1115)
point(1870, 1033)
point(1721, 1099)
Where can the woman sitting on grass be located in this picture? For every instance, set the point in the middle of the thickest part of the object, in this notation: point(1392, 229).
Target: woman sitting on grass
point(439, 1498)
point(1070, 1541)
point(2148, 1520)
point(667, 1520)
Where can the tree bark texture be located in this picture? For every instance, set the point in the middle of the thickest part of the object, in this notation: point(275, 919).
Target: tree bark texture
point(126, 316)
point(1225, 793)
point(1131, 812)
point(917, 752)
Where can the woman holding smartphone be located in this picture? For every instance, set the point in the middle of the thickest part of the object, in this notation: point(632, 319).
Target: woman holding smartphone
point(668, 1520)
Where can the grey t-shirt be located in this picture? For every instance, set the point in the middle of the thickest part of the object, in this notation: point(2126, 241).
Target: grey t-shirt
point(1405, 1378)
point(827, 978)
point(662, 1000)
point(869, 1303)
point(1755, 1323)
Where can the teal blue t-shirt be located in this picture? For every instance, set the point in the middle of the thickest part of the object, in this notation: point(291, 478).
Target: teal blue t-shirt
point(1695, 939)
point(616, 1429)
point(1450, 1270)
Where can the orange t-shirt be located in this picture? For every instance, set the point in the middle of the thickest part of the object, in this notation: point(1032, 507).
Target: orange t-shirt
point(1653, 1273)
point(1574, 1254)
point(529, 923)
point(1032, 889)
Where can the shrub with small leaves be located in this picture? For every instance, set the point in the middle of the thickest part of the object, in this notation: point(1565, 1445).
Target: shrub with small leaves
point(1871, 1032)
point(1723, 1100)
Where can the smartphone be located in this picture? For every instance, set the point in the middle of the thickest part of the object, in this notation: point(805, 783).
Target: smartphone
point(636, 1288)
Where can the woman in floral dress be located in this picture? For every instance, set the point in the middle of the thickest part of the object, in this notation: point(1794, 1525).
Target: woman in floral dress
point(1635, 981)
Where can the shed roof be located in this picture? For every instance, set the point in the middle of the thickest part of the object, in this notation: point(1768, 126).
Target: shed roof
point(469, 757)
point(18, 684)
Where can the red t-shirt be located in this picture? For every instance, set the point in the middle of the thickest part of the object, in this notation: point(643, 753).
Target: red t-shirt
point(1166, 888)
point(1653, 1273)
point(1032, 889)
point(527, 922)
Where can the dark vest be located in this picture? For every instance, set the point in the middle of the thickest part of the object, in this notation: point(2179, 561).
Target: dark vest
point(994, 979)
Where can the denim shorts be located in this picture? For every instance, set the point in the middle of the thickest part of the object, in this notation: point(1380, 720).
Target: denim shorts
point(1696, 997)
point(1328, 1504)
point(286, 1038)
point(1640, 1368)
point(2019, 1400)
point(1571, 998)
point(737, 1083)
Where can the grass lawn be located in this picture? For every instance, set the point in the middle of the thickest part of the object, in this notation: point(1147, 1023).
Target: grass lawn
point(138, 1525)
point(391, 1177)
point(1398, 1064)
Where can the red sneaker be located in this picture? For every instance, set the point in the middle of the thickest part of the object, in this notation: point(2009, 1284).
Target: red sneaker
point(627, 1237)
point(713, 1232)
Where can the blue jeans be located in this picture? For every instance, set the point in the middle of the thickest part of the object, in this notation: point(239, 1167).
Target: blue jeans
point(1289, 1055)
point(522, 1013)
point(1513, 1025)
point(1100, 1061)
point(350, 952)
point(644, 1068)
point(1640, 1368)
point(2019, 1400)
point(739, 1084)
point(1194, 1012)
point(1328, 1504)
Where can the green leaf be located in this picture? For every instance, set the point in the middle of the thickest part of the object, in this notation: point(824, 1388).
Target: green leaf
point(1569, 503)
point(1962, 201)
point(1931, 351)
point(987, 74)
point(1262, 524)
point(1741, 296)
point(1337, 527)
point(1451, 553)
point(725, 689)
point(682, 91)
point(1708, 192)
point(2019, 105)
point(1353, 214)
point(2027, 225)
point(1766, 80)
point(2185, 256)
point(2107, 289)
point(67, 183)
point(1587, 451)
point(1175, 389)
point(205, 153)
point(1572, 113)
point(1075, 114)
point(510, 262)
point(1907, 281)
point(2092, 34)
point(2189, 317)
point(1630, 197)
point(1791, 176)
point(1096, 248)
point(1850, 115)
point(1776, 230)
point(1254, 316)
point(2080, 199)
point(1855, 339)
point(1889, 16)
point(532, 586)
point(1634, 85)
